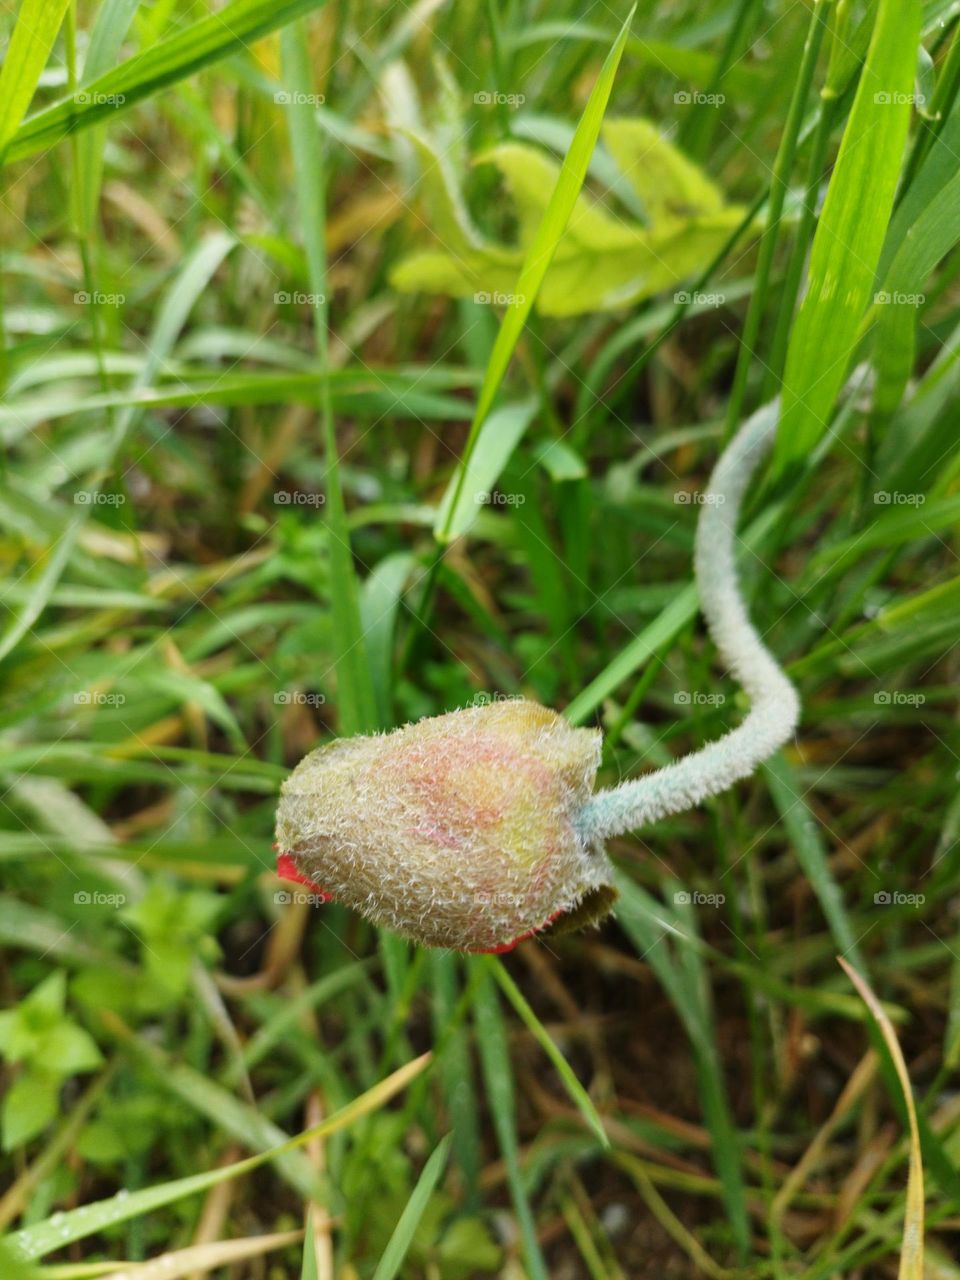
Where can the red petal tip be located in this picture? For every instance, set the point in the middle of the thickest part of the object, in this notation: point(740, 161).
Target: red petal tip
point(287, 870)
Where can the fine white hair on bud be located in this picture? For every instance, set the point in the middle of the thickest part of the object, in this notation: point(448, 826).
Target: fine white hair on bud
point(458, 831)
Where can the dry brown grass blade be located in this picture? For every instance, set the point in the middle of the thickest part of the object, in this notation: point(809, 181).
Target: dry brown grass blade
point(200, 1259)
point(911, 1254)
point(863, 1074)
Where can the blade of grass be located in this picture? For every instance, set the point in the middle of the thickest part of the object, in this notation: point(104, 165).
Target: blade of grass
point(681, 972)
point(850, 234)
point(224, 33)
point(44, 1237)
point(498, 438)
point(780, 178)
point(573, 172)
point(38, 22)
point(203, 1258)
point(397, 1247)
point(805, 836)
point(498, 1076)
point(357, 700)
point(456, 1073)
point(579, 1095)
point(188, 285)
point(911, 1255)
point(113, 22)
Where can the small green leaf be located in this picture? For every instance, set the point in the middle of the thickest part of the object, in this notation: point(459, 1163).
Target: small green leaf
point(68, 1049)
point(30, 1105)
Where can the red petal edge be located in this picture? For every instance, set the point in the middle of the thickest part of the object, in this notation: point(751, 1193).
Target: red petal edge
point(504, 947)
point(287, 870)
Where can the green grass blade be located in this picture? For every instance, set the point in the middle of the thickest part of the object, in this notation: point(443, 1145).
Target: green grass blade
point(679, 613)
point(653, 928)
point(193, 278)
point(392, 1260)
point(380, 599)
point(44, 1237)
point(498, 1077)
point(355, 691)
point(579, 1095)
point(109, 30)
point(213, 38)
point(570, 181)
point(805, 836)
point(850, 235)
point(498, 437)
point(225, 1111)
point(309, 1270)
point(37, 25)
point(929, 239)
point(455, 1071)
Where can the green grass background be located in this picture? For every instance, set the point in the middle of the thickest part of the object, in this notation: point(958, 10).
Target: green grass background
point(227, 440)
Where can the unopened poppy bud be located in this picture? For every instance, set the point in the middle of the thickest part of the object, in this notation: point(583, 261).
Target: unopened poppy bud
point(476, 829)
point(458, 831)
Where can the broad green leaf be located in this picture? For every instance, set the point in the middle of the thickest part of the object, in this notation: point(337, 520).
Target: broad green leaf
point(471, 490)
point(850, 234)
point(669, 184)
point(530, 175)
point(602, 261)
point(231, 30)
point(38, 22)
point(71, 1049)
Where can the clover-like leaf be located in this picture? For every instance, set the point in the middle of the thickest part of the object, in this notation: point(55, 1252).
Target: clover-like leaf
point(603, 261)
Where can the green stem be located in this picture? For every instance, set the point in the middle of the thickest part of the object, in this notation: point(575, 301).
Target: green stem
point(782, 168)
point(697, 137)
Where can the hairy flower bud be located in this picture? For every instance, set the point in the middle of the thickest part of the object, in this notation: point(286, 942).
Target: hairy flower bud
point(458, 831)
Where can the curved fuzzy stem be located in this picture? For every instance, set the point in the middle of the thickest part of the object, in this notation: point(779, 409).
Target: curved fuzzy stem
point(776, 708)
